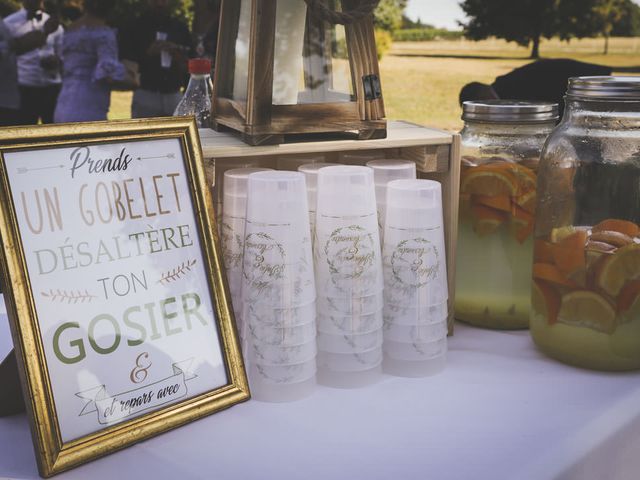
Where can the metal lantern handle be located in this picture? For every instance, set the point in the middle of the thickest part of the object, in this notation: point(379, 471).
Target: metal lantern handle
point(361, 9)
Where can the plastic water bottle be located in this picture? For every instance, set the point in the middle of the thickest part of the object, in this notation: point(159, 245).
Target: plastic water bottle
point(197, 97)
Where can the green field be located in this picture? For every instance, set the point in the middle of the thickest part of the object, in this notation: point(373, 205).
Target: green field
point(421, 81)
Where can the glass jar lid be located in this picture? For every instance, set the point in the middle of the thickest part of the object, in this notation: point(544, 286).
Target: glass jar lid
point(509, 111)
point(604, 88)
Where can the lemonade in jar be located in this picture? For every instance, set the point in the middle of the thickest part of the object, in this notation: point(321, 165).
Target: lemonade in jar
point(586, 271)
point(501, 145)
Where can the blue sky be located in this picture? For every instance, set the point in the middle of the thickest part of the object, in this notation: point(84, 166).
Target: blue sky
point(441, 13)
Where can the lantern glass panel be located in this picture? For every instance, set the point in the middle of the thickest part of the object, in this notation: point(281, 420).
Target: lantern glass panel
point(236, 88)
point(311, 61)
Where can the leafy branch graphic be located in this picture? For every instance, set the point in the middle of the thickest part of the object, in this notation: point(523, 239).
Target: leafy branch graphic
point(70, 296)
point(177, 273)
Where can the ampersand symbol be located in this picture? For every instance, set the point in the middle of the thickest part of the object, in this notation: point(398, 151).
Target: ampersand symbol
point(140, 372)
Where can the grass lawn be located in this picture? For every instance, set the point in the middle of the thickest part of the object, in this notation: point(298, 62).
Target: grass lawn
point(421, 81)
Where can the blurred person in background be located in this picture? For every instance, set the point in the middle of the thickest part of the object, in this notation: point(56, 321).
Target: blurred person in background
point(39, 77)
point(205, 28)
point(9, 48)
point(90, 65)
point(160, 45)
point(540, 81)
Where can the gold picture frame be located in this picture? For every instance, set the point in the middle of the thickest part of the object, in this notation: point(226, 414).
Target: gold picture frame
point(54, 455)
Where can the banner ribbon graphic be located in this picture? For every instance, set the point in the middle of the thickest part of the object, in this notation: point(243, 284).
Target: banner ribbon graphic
point(115, 408)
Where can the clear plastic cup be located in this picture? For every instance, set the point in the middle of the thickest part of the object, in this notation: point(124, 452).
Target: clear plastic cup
point(310, 171)
point(221, 165)
point(414, 204)
point(350, 324)
point(349, 305)
point(232, 239)
point(234, 188)
point(414, 351)
point(414, 369)
point(294, 161)
point(278, 355)
point(286, 337)
point(385, 171)
point(361, 157)
point(283, 374)
point(348, 379)
point(260, 314)
point(402, 315)
point(265, 391)
point(349, 343)
point(277, 197)
point(350, 362)
point(415, 333)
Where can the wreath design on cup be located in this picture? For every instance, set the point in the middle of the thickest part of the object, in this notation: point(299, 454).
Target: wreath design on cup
point(415, 262)
point(350, 252)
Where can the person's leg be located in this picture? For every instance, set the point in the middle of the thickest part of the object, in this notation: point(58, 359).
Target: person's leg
point(29, 109)
point(146, 104)
point(48, 100)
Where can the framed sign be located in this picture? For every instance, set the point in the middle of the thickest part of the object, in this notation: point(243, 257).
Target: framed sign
point(114, 290)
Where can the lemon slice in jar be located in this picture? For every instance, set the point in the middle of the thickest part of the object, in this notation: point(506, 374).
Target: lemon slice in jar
point(618, 269)
point(587, 309)
point(488, 180)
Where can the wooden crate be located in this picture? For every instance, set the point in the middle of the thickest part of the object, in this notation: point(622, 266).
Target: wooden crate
point(436, 153)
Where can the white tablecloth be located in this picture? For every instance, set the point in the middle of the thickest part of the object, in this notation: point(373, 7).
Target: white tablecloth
point(499, 411)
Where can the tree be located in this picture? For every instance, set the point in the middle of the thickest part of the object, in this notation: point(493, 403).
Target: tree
point(526, 22)
point(629, 24)
point(388, 14)
point(608, 13)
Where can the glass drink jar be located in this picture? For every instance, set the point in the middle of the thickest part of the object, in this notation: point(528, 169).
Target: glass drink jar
point(586, 275)
point(501, 145)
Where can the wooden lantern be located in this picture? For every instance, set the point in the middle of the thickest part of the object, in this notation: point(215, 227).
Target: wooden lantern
point(293, 67)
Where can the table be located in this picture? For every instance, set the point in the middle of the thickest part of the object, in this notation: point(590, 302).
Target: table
point(499, 411)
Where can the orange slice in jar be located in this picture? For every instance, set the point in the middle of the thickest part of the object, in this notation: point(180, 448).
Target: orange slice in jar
point(560, 233)
point(585, 308)
point(550, 273)
point(545, 301)
point(543, 251)
point(568, 254)
point(527, 201)
point(526, 178)
point(489, 180)
point(621, 226)
point(629, 295)
point(499, 202)
point(486, 220)
point(618, 269)
point(521, 224)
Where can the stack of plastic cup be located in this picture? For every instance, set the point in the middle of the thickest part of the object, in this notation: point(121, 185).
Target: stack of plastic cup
point(234, 213)
point(221, 165)
point(311, 175)
point(415, 280)
point(361, 157)
point(293, 162)
point(278, 288)
point(348, 277)
point(385, 171)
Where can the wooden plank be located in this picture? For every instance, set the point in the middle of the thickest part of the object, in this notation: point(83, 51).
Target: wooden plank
point(428, 158)
point(451, 199)
point(226, 54)
point(399, 134)
point(261, 62)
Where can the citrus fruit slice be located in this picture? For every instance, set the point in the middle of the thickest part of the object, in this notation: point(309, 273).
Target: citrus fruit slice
point(499, 202)
point(568, 253)
point(618, 269)
point(486, 220)
point(587, 309)
point(629, 295)
point(526, 178)
point(550, 273)
point(557, 234)
point(543, 251)
point(545, 301)
point(611, 237)
point(620, 226)
point(487, 180)
point(527, 201)
point(521, 224)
